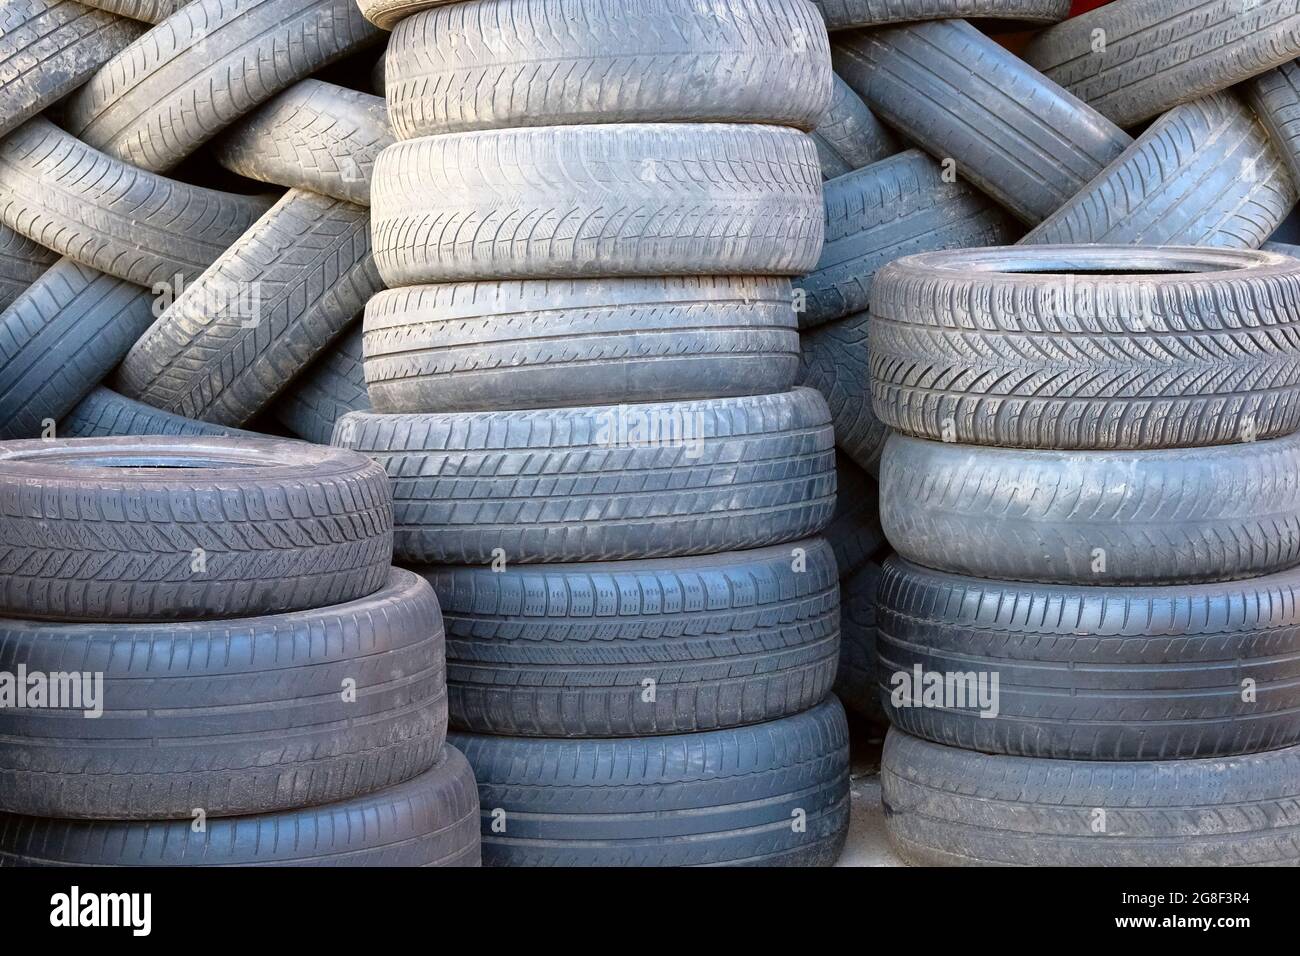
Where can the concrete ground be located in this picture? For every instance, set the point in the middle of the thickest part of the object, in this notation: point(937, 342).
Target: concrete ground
point(867, 845)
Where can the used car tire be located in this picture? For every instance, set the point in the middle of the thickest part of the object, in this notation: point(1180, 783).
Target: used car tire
point(230, 717)
point(856, 681)
point(332, 386)
point(847, 135)
point(847, 14)
point(169, 528)
point(21, 263)
point(854, 532)
point(836, 363)
point(149, 11)
point(104, 413)
point(722, 797)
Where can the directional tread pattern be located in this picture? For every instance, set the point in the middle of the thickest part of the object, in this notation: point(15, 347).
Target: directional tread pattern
point(332, 386)
point(21, 263)
point(104, 413)
point(848, 136)
point(836, 363)
point(1275, 98)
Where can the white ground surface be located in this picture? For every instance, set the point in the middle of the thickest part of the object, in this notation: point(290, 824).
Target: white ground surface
point(867, 845)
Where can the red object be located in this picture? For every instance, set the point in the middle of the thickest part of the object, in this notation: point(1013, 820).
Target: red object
point(1083, 6)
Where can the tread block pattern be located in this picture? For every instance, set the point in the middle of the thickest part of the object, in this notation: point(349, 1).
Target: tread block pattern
point(848, 136)
point(332, 386)
point(837, 363)
point(1275, 98)
point(104, 413)
point(21, 263)
point(847, 14)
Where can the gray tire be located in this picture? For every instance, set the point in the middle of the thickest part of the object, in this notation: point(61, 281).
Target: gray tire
point(856, 681)
point(387, 13)
point(598, 201)
point(847, 135)
point(148, 11)
point(104, 413)
point(1160, 53)
point(847, 14)
point(541, 344)
point(1172, 347)
point(334, 385)
point(837, 364)
point(854, 532)
point(604, 483)
point(1204, 174)
point(21, 263)
point(1275, 98)
point(959, 95)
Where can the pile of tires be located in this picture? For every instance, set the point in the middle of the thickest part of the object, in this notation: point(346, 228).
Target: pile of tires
point(206, 658)
point(1089, 639)
point(583, 390)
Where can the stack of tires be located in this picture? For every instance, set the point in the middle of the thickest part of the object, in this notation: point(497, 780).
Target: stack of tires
point(1089, 642)
point(206, 659)
point(582, 379)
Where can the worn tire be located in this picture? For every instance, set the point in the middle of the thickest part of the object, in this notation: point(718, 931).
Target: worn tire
point(204, 67)
point(598, 201)
point(287, 737)
point(503, 64)
point(1088, 347)
point(148, 11)
point(723, 797)
point(959, 95)
point(111, 216)
point(540, 344)
point(1204, 174)
point(1166, 516)
point(1160, 53)
point(1275, 98)
point(887, 210)
point(847, 14)
point(332, 386)
point(48, 48)
point(110, 529)
point(604, 483)
point(386, 14)
point(565, 650)
point(837, 364)
point(847, 135)
point(856, 682)
point(854, 532)
point(950, 807)
point(430, 820)
point(21, 263)
point(104, 413)
point(219, 357)
point(59, 338)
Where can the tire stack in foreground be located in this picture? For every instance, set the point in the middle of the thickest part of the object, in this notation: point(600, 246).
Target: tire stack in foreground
point(1089, 642)
point(206, 659)
point(582, 382)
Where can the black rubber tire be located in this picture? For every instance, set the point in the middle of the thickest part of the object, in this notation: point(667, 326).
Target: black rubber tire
point(848, 136)
point(148, 11)
point(540, 344)
point(597, 201)
point(314, 136)
point(430, 820)
point(959, 95)
point(723, 797)
point(836, 362)
point(1160, 53)
point(208, 64)
point(105, 529)
point(887, 210)
point(1088, 347)
point(1204, 174)
point(219, 356)
point(1093, 673)
point(1166, 516)
point(104, 413)
point(856, 682)
point(847, 14)
point(231, 717)
point(565, 650)
point(332, 386)
point(59, 338)
point(21, 263)
point(504, 64)
point(111, 216)
point(1275, 98)
point(593, 484)
point(854, 532)
point(949, 807)
point(48, 48)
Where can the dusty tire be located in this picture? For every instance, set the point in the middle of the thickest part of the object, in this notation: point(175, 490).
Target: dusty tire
point(104, 413)
point(893, 208)
point(332, 386)
point(314, 136)
point(723, 797)
point(1275, 98)
point(837, 364)
point(957, 94)
point(1204, 174)
point(430, 820)
point(989, 347)
point(210, 63)
point(48, 48)
point(165, 528)
point(847, 14)
point(854, 532)
point(220, 356)
point(847, 135)
point(541, 344)
point(59, 339)
point(287, 736)
point(21, 263)
point(1160, 53)
point(949, 807)
point(504, 64)
point(596, 484)
point(566, 650)
point(111, 216)
point(1091, 672)
point(1166, 516)
point(147, 11)
point(598, 201)
point(386, 14)
point(856, 681)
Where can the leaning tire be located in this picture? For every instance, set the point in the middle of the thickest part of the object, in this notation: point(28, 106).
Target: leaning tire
point(848, 136)
point(21, 263)
point(104, 413)
point(847, 14)
point(836, 363)
point(140, 529)
point(725, 797)
point(244, 716)
point(334, 385)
